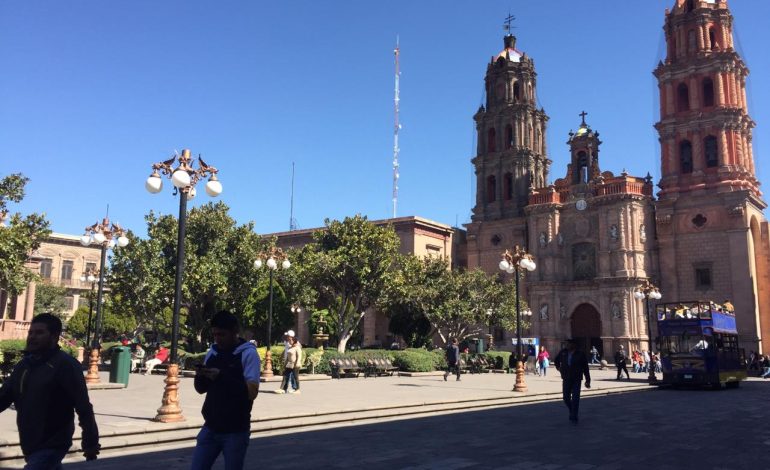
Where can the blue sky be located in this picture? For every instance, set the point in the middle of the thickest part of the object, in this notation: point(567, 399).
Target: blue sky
point(93, 92)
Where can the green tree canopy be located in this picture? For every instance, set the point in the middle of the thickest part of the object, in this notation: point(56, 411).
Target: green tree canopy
point(51, 299)
point(20, 238)
point(345, 268)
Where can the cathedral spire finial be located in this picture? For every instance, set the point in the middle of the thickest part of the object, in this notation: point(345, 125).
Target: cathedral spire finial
point(509, 40)
point(583, 117)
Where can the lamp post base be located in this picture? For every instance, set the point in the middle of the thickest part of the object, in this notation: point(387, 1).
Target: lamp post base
point(170, 411)
point(268, 365)
point(92, 377)
point(651, 379)
point(521, 385)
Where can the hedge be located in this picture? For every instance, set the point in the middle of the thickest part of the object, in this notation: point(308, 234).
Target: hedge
point(500, 358)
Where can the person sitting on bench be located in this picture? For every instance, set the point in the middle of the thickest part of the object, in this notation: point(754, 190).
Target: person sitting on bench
point(160, 358)
point(137, 357)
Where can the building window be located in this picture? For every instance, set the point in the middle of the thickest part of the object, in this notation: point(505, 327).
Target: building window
point(69, 302)
point(491, 140)
point(708, 92)
point(91, 268)
point(46, 266)
point(713, 39)
point(508, 136)
point(703, 278)
point(685, 156)
point(66, 270)
point(508, 186)
point(682, 98)
point(711, 152)
point(491, 189)
point(516, 92)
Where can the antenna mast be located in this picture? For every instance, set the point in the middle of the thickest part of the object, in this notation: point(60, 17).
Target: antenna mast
point(396, 128)
point(292, 220)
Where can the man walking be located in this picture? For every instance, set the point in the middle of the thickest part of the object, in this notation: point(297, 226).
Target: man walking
point(230, 379)
point(45, 387)
point(452, 359)
point(620, 362)
point(572, 365)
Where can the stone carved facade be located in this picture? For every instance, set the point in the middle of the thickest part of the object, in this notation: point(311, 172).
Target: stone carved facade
point(704, 237)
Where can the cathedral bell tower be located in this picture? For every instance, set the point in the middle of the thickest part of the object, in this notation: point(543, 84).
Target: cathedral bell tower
point(511, 154)
point(712, 235)
point(584, 149)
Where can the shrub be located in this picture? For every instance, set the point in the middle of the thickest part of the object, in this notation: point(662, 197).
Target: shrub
point(500, 358)
point(415, 360)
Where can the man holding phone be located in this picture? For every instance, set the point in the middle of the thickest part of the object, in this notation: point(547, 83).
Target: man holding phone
point(573, 365)
point(229, 376)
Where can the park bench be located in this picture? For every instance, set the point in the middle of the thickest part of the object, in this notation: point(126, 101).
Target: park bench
point(343, 366)
point(379, 366)
point(480, 364)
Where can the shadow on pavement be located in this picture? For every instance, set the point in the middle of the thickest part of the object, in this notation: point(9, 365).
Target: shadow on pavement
point(658, 430)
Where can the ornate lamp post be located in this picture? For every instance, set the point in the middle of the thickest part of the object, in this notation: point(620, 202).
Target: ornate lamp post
point(107, 236)
point(273, 256)
point(184, 178)
point(648, 291)
point(90, 275)
point(513, 263)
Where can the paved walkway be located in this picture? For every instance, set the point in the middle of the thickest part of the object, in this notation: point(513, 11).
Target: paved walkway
point(661, 429)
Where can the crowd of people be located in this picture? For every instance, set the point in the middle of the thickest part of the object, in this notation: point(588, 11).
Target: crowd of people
point(759, 363)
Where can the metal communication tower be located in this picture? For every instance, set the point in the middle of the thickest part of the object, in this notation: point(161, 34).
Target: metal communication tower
point(396, 128)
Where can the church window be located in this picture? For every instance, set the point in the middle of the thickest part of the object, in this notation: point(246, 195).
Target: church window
point(491, 189)
point(682, 98)
point(581, 172)
point(491, 140)
point(685, 156)
point(690, 6)
point(508, 186)
point(708, 92)
point(583, 261)
point(710, 150)
point(713, 39)
point(516, 92)
point(508, 136)
point(703, 279)
point(692, 41)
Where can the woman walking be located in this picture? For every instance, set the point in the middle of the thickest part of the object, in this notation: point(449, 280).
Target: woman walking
point(543, 361)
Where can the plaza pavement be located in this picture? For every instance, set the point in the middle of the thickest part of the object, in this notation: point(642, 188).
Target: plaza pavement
point(125, 415)
point(659, 429)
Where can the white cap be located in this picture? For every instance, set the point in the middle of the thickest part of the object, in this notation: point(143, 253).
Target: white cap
point(290, 333)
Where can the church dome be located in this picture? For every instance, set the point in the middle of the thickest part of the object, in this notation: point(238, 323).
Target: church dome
point(509, 51)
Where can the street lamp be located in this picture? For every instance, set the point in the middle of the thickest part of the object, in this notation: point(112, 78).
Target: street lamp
point(274, 257)
point(647, 292)
point(107, 236)
point(90, 275)
point(513, 263)
point(184, 178)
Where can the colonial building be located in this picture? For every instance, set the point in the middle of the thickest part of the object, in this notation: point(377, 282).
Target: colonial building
point(418, 236)
point(60, 260)
point(597, 235)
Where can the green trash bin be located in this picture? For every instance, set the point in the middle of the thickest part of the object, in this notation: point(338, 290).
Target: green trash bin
point(480, 346)
point(120, 365)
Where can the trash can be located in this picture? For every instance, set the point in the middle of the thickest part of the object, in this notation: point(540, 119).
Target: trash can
point(120, 365)
point(480, 345)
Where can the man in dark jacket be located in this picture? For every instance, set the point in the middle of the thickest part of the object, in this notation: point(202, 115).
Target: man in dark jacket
point(452, 359)
point(45, 387)
point(230, 379)
point(573, 365)
point(620, 362)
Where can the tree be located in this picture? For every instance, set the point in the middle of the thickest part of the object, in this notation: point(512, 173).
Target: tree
point(218, 271)
point(113, 324)
point(51, 299)
point(22, 236)
point(346, 266)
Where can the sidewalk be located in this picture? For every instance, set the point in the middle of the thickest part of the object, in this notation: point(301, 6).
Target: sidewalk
point(127, 413)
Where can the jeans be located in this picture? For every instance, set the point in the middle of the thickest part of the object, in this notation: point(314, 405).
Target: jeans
point(289, 378)
point(766, 373)
point(571, 394)
point(594, 358)
point(449, 368)
point(210, 444)
point(543, 370)
point(45, 459)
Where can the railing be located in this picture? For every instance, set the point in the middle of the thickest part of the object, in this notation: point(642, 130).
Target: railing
point(552, 196)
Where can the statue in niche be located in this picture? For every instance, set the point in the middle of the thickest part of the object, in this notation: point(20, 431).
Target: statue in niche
point(642, 233)
point(543, 240)
point(614, 232)
point(616, 312)
point(563, 311)
point(544, 312)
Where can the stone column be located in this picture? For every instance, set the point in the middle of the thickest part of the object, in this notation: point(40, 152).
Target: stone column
point(694, 94)
point(723, 147)
point(701, 38)
point(706, 37)
point(29, 308)
point(720, 90)
point(18, 311)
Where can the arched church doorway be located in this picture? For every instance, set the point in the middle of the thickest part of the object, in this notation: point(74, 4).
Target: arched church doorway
point(587, 328)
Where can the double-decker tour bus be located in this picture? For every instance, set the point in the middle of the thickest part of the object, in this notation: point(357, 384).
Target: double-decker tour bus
point(698, 344)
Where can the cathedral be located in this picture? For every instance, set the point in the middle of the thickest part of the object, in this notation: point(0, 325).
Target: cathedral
point(597, 234)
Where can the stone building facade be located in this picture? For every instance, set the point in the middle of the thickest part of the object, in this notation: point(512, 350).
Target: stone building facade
point(597, 236)
point(60, 260)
